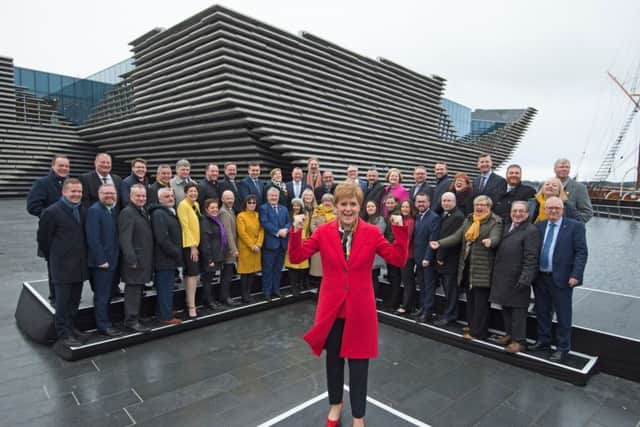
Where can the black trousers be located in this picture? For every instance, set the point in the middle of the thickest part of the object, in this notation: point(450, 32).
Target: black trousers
point(515, 323)
point(246, 282)
point(52, 287)
point(225, 282)
point(375, 277)
point(450, 286)
point(296, 279)
point(394, 274)
point(208, 291)
point(132, 299)
point(358, 372)
point(66, 303)
point(478, 311)
point(408, 275)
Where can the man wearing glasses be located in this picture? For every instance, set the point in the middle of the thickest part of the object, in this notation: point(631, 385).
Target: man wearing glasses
point(563, 257)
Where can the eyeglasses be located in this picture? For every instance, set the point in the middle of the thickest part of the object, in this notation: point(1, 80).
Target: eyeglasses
point(553, 208)
point(251, 203)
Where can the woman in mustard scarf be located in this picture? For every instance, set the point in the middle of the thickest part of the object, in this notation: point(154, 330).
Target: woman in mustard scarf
point(323, 213)
point(479, 235)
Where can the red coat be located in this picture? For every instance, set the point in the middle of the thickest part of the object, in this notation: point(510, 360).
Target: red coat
point(348, 283)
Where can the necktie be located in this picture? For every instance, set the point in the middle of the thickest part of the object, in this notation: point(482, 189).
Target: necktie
point(275, 209)
point(105, 180)
point(483, 182)
point(255, 182)
point(76, 214)
point(546, 248)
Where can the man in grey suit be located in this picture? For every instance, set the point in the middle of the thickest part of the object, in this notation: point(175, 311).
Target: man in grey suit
point(576, 191)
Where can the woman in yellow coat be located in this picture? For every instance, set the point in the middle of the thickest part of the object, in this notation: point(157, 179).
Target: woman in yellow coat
point(297, 272)
point(250, 238)
point(322, 213)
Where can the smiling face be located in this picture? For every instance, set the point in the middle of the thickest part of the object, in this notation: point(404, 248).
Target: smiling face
point(72, 192)
point(421, 202)
point(192, 194)
point(394, 178)
point(405, 208)
point(213, 209)
point(519, 212)
point(390, 204)
point(183, 171)
point(61, 167)
point(138, 196)
point(103, 164)
point(139, 169)
point(419, 175)
point(554, 209)
point(254, 171)
point(551, 187)
point(348, 209)
point(371, 208)
point(231, 171)
point(514, 176)
point(212, 172)
point(562, 170)
point(480, 207)
point(164, 174)
point(484, 164)
point(107, 195)
point(440, 170)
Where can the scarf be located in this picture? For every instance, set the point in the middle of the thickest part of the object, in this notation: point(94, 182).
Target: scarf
point(328, 213)
point(542, 215)
point(161, 182)
point(473, 232)
point(223, 231)
point(314, 183)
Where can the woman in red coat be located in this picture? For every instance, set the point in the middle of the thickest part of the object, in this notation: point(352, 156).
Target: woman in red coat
point(346, 322)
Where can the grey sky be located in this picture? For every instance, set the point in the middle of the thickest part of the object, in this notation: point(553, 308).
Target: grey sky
point(551, 55)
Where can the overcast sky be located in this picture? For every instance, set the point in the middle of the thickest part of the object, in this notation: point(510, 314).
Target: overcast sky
point(551, 55)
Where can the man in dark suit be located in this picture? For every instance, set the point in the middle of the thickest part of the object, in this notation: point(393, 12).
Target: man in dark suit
point(45, 192)
point(136, 244)
point(252, 184)
point(91, 181)
point(163, 180)
point(327, 186)
point(447, 258)
point(562, 261)
point(229, 183)
point(138, 176)
point(296, 186)
point(275, 220)
point(373, 191)
point(352, 176)
point(101, 229)
point(209, 187)
point(420, 184)
point(61, 240)
point(443, 183)
point(488, 182)
point(515, 191)
point(427, 229)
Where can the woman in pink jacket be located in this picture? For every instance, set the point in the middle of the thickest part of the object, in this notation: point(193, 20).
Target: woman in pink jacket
point(394, 186)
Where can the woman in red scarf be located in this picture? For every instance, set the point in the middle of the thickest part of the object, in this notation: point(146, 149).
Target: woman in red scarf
point(346, 322)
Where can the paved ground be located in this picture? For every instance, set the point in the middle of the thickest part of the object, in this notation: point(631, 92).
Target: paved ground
point(246, 371)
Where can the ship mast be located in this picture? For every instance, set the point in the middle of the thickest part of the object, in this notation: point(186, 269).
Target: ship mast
point(635, 98)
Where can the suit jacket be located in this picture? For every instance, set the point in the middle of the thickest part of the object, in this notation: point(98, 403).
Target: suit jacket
point(516, 265)
point(495, 187)
point(291, 193)
point(502, 207)
point(44, 192)
point(425, 187)
point(441, 187)
point(152, 194)
point(167, 238)
point(320, 191)
point(247, 187)
point(91, 183)
point(125, 189)
point(272, 222)
point(425, 230)
point(578, 194)
point(227, 184)
point(228, 219)
point(347, 284)
point(101, 228)
point(211, 249)
point(136, 243)
point(449, 224)
point(62, 242)
point(570, 252)
point(208, 190)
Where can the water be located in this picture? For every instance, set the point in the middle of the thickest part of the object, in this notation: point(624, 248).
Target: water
point(614, 250)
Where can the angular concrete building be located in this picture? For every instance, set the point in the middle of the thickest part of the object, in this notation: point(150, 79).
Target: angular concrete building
point(221, 86)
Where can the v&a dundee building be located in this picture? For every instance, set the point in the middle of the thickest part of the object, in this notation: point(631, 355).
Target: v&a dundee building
point(220, 86)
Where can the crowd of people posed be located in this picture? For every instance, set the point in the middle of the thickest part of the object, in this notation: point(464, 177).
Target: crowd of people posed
point(492, 238)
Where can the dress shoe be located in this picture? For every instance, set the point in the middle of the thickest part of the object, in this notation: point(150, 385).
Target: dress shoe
point(80, 336)
point(559, 356)
point(110, 332)
point(248, 300)
point(229, 303)
point(427, 317)
point(515, 347)
point(173, 321)
point(72, 341)
point(277, 295)
point(211, 305)
point(540, 346)
point(504, 340)
point(138, 327)
point(442, 322)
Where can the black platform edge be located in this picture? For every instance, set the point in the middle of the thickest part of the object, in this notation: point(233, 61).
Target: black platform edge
point(127, 340)
point(543, 366)
point(34, 316)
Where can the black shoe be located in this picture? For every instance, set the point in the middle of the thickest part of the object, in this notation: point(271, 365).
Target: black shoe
point(80, 336)
point(249, 300)
point(138, 327)
point(416, 313)
point(442, 322)
point(110, 332)
point(277, 295)
point(229, 303)
point(539, 346)
point(427, 317)
point(559, 356)
point(71, 341)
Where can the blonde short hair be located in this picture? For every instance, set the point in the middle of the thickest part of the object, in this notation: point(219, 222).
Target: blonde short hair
point(394, 170)
point(347, 190)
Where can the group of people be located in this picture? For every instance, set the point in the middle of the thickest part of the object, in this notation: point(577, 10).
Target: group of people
point(493, 238)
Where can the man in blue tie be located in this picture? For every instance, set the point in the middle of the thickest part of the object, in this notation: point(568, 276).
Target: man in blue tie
point(276, 222)
point(488, 183)
point(252, 184)
point(562, 261)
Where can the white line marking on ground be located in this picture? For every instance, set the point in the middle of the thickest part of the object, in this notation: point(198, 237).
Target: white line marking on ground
point(95, 365)
point(395, 412)
point(133, 422)
point(46, 392)
point(137, 395)
point(602, 291)
point(293, 410)
point(75, 398)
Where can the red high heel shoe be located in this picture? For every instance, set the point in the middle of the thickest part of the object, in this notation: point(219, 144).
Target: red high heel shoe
point(334, 423)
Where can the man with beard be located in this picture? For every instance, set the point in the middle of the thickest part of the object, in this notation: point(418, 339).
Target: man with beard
point(443, 183)
point(515, 191)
